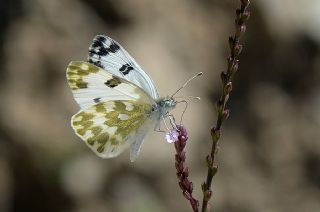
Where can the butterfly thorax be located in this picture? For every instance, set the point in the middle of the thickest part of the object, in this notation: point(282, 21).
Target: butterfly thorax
point(164, 105)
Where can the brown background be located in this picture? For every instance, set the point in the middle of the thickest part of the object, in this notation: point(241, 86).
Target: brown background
point(269, 154)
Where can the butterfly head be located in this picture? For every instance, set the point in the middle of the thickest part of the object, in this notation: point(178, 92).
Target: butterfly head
point(169, 102)
point(166, 104)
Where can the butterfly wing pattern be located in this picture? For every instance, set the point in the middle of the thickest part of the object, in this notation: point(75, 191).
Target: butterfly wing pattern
point(111, 56)
point(119, 102)
point(115, 113)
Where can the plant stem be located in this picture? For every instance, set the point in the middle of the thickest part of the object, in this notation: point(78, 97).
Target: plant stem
point(242, 15)
point(182, 169)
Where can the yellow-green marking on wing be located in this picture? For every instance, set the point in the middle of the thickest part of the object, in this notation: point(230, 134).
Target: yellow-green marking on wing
point(76, 72)
point(108, 127)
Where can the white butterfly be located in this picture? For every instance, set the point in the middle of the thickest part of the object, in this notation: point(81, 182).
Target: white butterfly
point(119, 101)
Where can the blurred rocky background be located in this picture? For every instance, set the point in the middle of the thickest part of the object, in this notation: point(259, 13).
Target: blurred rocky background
point(269, 155)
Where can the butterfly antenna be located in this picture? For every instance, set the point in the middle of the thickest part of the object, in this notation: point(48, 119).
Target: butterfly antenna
point(186, 83)
point(191, 97)
point(194, 97)
point(186, 104)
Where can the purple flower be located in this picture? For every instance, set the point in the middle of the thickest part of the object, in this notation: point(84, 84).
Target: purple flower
point(180, 136)
point(172, 136)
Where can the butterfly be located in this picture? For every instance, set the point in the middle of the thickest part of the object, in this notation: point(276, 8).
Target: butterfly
point(119, 102)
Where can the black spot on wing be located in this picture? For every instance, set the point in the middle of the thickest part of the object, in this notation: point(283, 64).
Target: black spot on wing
point(111, 83)
point(96, 63)
point(125, 69)
point(97, 43)
point(101, 38)
point(97, 100)
point(114, 47)
point(103, 51)
point(91, 52)
point(98, 47)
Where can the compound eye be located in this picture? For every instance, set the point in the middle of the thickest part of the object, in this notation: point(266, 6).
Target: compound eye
point(153, 108)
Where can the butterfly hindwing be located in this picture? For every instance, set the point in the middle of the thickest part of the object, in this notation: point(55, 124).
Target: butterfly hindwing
point(91, 85)
point(110, 127)
point(111, 56)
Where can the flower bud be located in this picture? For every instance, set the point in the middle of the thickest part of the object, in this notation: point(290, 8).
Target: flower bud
point(209, 160)
point(246, 15)
point(207, 194)
point(237, 49)
point(243, 28)
point(215, 133)
point(225, 114)
point(228, 87)
point(224, 76)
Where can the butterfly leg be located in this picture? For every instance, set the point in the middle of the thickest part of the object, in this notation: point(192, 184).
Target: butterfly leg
point(165, 123)
point(157, 128)
point(172, 121)
point(185, 108)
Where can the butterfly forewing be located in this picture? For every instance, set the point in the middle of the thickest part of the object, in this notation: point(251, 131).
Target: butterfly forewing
point(91, 85)
point(111, 56)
